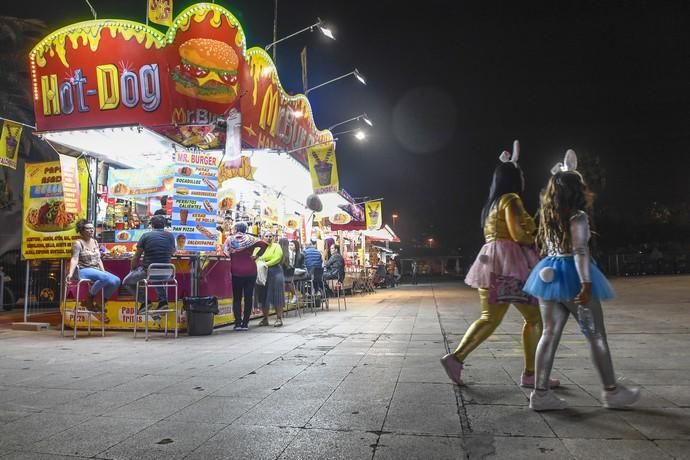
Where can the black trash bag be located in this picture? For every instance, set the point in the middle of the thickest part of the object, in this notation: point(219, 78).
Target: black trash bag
point(200, 311)
point(200, 304)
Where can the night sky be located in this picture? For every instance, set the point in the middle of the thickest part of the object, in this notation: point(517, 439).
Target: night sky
point(452, 83)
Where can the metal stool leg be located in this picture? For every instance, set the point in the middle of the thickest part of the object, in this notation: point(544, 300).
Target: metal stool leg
point(177, 311)
point(136, 309)
point(294, 290)
point(75, 311)
point(102, 313)
point(64, 313)
point(146, 310)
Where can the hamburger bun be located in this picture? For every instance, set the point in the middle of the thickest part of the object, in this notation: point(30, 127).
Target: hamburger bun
point(208, 70)
point(210, 53)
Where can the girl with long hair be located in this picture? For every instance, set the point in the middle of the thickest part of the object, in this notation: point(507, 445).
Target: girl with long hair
point(567, 282)
point(508, 253)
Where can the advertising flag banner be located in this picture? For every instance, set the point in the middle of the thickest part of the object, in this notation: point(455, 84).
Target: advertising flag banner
point(70, 184)
point(374, 215)
point(9, 144)
point(48, 229)
point(160, 12)
point(323, 168)
point(196, 201)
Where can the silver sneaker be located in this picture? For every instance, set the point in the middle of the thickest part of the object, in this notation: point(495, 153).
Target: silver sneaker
point(546, 400)
point(620, 398)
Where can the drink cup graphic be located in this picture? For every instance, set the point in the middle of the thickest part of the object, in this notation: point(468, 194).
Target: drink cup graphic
point(323, 172)
point(181, 241)
point(183, 216)
point(11, 143)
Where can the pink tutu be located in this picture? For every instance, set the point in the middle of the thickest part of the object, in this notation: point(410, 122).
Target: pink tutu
point(511, 259)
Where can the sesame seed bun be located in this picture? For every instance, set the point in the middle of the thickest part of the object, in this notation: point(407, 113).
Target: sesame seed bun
point(209, 53)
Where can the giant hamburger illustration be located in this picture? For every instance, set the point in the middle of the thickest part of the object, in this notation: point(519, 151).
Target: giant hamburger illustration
point(208, 70)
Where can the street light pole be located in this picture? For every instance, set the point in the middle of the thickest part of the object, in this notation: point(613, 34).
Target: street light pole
point(355, 72)
point(319, 24)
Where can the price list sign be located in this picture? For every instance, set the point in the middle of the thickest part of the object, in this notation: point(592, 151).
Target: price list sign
point(195, 201)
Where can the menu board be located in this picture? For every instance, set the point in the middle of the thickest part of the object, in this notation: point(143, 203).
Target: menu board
point(195, 201)
point(48, 228)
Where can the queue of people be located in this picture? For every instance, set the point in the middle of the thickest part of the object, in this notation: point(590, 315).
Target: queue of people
point(564, 282)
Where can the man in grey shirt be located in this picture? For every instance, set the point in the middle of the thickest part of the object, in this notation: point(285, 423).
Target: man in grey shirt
point(157, 246)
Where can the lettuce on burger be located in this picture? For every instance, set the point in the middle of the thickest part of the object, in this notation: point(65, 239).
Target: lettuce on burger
point(208, 70)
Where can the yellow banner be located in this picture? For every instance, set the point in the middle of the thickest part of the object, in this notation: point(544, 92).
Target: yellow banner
point(160, 12)
point(323, 168)
point(9, 144)
point(47, 228)
point(374, 214)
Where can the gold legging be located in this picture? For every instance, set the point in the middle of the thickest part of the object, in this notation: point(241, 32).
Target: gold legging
point(492, 315)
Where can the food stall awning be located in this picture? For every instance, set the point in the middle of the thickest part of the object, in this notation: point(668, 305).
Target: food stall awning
point(286, 176)
point(124, 146)
point(383, 234)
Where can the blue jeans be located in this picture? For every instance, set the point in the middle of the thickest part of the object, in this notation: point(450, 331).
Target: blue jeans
point(136, 275)
point(101, 280)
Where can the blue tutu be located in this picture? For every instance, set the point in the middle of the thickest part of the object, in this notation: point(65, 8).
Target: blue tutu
point(566, 282)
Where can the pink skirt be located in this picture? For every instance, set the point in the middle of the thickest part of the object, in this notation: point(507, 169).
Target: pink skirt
point(504, 257)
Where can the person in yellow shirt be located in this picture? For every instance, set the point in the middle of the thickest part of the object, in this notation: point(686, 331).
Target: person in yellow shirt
point(273, 293)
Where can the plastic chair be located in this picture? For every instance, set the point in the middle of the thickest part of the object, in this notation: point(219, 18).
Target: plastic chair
point(157, 276)
point(78, 310)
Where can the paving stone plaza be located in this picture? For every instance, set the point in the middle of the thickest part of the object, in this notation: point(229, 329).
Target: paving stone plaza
point(358, 384)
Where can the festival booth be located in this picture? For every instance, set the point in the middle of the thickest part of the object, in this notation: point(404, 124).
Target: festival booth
point(190, 122)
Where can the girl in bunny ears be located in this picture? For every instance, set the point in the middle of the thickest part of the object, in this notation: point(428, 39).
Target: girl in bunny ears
point(567, 282)
point(509, 234)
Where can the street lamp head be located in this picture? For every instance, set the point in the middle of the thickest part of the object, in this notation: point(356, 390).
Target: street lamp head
point(366, 119)
point(360, 77)
point(325, 30)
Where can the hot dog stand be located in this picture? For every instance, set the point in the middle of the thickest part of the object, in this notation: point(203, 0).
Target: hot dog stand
point(190, 114)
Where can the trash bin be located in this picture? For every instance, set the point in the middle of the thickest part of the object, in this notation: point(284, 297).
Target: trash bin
point(200, 311)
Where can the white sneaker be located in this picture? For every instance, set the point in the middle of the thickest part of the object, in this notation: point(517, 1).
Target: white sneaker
point(546, 400)
point(294, 299)
point(620, 398)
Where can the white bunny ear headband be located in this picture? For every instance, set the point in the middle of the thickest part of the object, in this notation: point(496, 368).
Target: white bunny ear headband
point(569, 163)
point(506, 156)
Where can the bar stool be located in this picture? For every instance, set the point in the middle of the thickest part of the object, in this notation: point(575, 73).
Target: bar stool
point(157, 276)
point(337, 288)
point(308, 297)
point(296, 303)
point(78, 309)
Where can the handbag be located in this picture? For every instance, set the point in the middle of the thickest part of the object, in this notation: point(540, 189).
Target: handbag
point(505, 288)
point(261, 273)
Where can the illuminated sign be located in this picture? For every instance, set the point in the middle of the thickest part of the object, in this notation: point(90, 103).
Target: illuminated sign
point(106, 73)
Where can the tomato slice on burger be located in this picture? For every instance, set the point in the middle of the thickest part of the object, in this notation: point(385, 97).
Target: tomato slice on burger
point(228, 77)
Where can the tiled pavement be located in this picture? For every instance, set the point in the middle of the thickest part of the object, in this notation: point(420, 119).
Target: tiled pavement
point(360, 384)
